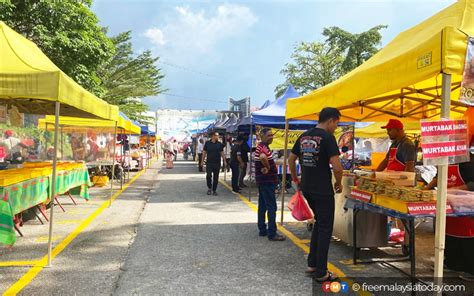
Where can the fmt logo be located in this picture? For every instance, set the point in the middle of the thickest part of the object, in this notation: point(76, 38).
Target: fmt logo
point(335, 287)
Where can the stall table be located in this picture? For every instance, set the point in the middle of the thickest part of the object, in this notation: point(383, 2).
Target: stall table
point(407, 219)
point(25, 194)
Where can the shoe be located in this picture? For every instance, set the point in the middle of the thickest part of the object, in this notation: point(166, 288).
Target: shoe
point(209, 192)
point(214, 193)
point(277, 238)
point(262, 234)
point(236, 191)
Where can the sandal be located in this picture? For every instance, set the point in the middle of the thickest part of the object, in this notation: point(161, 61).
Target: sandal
point(310, 270)
point(330, 277)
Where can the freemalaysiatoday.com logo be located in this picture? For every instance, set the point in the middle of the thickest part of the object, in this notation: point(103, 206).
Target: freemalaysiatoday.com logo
point(335, 287)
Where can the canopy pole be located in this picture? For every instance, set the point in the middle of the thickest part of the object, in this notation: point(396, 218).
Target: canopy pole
point(225, 169)
point(113, 166)
point(62, 143)
point(283, 180)
point(129, 155)
point(53, 183)
point(442, 190)
point(251, 159)
point(122, 162)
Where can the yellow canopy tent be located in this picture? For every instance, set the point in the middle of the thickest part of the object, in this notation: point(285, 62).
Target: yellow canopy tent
point(33, 83)
point(416, 76)
point(375, 130)
point(402, 79)
point(30, 81)
point(75, 124)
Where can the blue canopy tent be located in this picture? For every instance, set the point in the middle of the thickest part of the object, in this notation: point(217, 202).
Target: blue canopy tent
point(265, 105)
point(274, 114)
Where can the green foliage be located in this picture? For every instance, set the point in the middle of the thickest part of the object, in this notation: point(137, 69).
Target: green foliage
point(357, 48)
point(67, 31)
point(314, 65)
point(128, 77)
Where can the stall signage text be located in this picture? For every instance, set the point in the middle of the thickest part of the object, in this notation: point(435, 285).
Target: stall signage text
point(443, 149)
point(443, 127)
point(361, 195)
point(425, 208)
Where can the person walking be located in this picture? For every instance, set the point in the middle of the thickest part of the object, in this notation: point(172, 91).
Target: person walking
point(266, 177)
point(235, 163)
point(175, 149)
point(317, 149)
point(213, 151)
point(245, 150)
point(227, 152)
point(200, 148)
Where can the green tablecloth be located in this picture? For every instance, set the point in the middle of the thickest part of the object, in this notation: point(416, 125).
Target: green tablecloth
point(19, 197)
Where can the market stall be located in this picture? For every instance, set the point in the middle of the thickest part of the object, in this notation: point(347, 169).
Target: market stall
point(416, 76)
point(99, 143)
point(33, 84)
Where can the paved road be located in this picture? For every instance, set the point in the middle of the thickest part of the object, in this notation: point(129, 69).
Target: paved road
point(191, 243)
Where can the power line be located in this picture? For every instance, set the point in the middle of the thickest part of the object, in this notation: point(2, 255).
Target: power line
point(195, 99)
point(186, 69)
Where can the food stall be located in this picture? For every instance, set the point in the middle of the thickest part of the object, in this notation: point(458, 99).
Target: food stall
point(32, 84)
point(416, 76)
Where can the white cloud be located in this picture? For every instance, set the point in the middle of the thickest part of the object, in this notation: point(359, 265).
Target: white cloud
point(200, 31)
point(156, 36)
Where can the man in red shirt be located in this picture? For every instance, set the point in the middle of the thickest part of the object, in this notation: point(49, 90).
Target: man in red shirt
point(266, 176)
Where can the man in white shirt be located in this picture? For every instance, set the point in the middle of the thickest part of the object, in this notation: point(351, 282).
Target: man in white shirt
point(200, 148)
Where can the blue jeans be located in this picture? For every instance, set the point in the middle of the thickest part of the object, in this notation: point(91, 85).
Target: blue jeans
point(267, 205)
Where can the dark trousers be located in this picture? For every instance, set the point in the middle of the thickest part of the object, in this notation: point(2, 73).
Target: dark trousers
point(267, 205)
point(200, 160)
point(212, 176)
point(227, 167)
point(323, 209)
point(243, 172)
point(458, 254)
point(175, 155)
point(234, 166)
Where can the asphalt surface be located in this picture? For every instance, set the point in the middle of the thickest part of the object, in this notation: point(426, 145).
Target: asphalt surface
point(90, 264)
point(191, 243)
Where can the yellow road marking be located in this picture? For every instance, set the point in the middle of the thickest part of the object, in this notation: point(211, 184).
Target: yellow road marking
point(298, 242)
point(18, 263)
point(38, 267)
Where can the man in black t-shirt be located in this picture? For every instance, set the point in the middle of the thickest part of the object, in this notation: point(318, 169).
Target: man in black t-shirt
point(236, 162)
point(213, 151)
point(317, 149)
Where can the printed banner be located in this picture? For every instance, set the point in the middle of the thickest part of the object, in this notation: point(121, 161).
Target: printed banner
point(444, 142)
point(443, 127)
point(467, 84)
point(425, 208)
point(279, 138)
point(444, 149)
point(361, 195)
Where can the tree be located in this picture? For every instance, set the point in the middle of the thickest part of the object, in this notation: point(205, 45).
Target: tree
point(127, 78)
point(357, 47)
point(314, 65)
point(67, 31)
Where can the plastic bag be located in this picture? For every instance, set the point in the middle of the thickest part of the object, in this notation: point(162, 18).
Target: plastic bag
point(292, 201)
point(301, 210)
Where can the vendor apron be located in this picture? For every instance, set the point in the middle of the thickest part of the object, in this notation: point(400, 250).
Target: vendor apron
point(393, 163)
point(462, 227)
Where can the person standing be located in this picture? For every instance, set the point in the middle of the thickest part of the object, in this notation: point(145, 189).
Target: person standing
point(227, 152)
point(266, 176)
point(245, 150)
point(200, 148)
point(402, 153)
point(175, 149)
point(235, 163)
point(213, 151)
point(317, 149)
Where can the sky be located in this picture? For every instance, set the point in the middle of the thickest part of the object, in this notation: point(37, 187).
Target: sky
point(213, 50)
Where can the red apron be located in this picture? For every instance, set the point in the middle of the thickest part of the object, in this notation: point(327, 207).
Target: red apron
point(393, 163)
point(462, 227)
